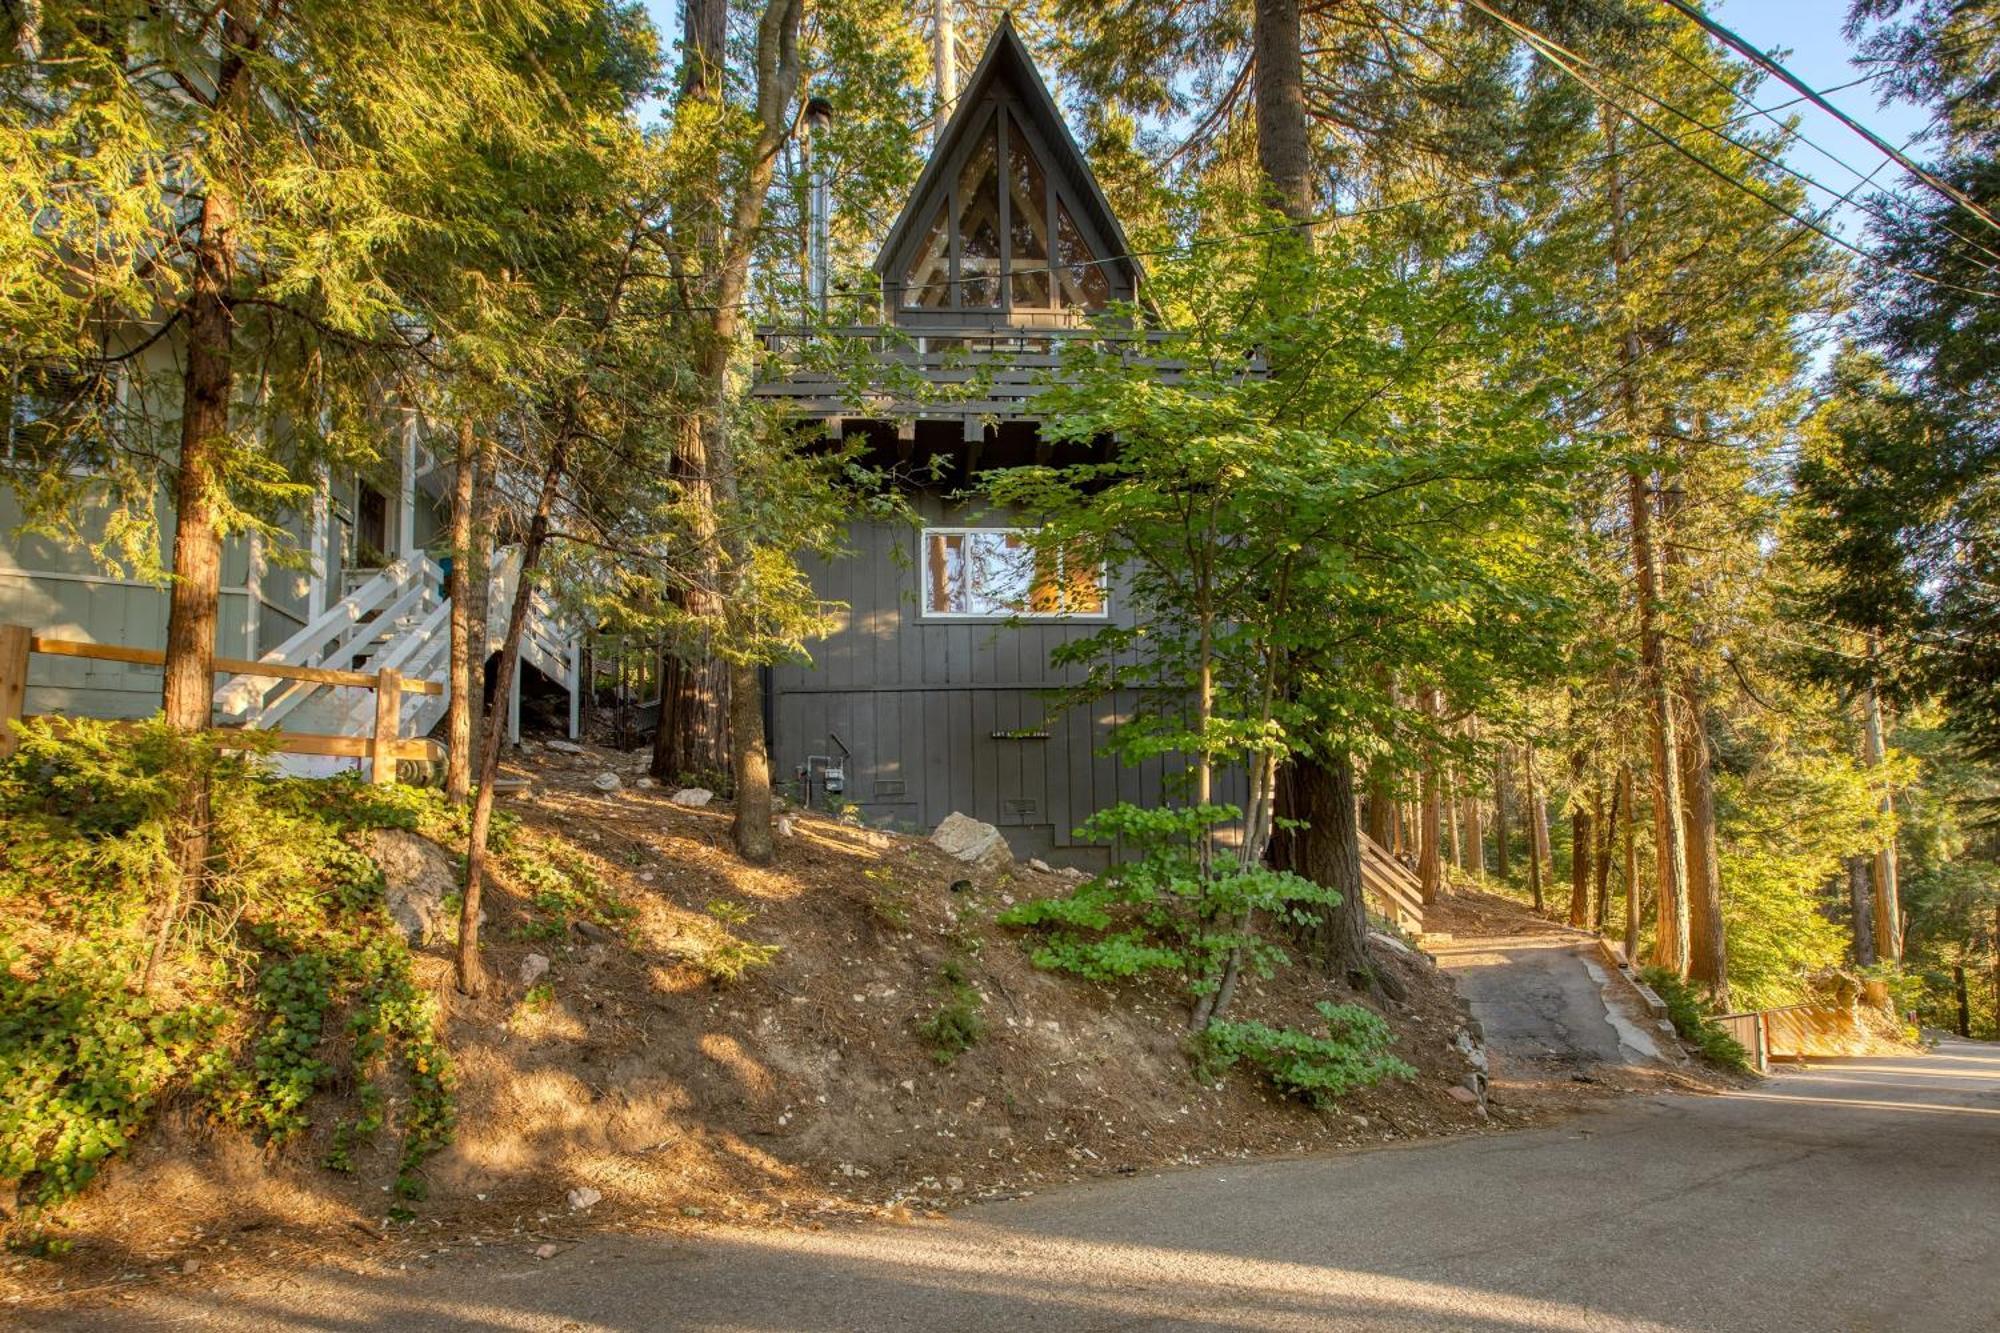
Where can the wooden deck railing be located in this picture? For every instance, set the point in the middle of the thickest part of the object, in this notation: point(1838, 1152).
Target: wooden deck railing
point(381, 748)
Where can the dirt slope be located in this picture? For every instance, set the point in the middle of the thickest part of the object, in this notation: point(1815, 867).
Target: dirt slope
point(804, 1091)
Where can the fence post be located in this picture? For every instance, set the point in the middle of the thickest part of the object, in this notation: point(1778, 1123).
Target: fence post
point(14, 641)
point(388, 715)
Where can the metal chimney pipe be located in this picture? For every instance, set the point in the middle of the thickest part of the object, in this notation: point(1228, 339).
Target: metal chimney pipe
point(819, 223)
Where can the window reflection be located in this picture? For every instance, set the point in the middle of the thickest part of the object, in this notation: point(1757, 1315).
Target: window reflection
point(928, 282)
point(1027, 223)
point(1005, 572)
point(979, 224)
point(1084, 285)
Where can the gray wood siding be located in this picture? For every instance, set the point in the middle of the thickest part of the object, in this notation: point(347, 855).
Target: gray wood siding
point(918, 702)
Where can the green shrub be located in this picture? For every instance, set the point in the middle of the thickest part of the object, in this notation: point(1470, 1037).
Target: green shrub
point(1692, 1022)
point(289, 934)
point(957, 1024)
point(1161, 911)
point(1320, 1070)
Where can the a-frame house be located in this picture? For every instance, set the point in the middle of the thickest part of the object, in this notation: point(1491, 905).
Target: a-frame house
point(932, 696)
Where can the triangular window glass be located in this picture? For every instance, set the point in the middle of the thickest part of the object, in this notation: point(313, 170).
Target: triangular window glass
point(1027, 223)
point(928, 283)
point(979, 223)
point(1084, 283)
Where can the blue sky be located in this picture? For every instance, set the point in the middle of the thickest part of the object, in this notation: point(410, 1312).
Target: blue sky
point(1820, 55)
point(1807, 33)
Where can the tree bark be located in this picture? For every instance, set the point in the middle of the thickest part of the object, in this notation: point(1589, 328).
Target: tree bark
point(1322, 795)
point(1861, 901)
point(1669, 833)
point(458, 712)
point(1429, 871)
point(1708, 960)
point(187, 690)
point(1451, 810)
point(1964, 1000)
point(479, 590)
point(1604, 834)
point(471, 975)
point(705, 452)
point(1633, 906)
point(1707, 948)
point(1888, 898)
point(1283, 150)
point(1500, 815)
point(1540, 862)
point(1579, 844)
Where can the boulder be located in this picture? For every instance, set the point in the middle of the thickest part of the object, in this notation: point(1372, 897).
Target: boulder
point(419, 875)
point(972, 841)
point(565, 747)
point(606, 781)
point(1039, 866)
point(583, 1198)
point(533, 968)
point(692, 797)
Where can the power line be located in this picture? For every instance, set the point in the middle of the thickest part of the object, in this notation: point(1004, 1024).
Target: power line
point(1561, 57)
point(1909, 164)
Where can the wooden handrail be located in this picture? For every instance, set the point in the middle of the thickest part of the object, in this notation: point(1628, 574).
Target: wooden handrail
point(224, 666)
point(382, 747)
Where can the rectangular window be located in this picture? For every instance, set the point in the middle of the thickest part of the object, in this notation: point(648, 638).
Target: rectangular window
point(993, 572)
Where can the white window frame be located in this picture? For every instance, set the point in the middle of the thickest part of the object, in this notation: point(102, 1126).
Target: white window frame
point(924, 535)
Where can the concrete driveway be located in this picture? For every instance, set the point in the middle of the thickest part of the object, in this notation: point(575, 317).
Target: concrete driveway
point(1859, 1194)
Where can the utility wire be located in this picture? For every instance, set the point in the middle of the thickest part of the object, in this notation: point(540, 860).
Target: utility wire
point(1567, 61)
point(1902, 159)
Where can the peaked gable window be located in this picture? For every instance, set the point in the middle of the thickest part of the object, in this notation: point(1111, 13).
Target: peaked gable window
point(1004, 238)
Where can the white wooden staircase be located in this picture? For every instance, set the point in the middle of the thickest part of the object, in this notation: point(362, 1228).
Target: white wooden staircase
point(397, 617)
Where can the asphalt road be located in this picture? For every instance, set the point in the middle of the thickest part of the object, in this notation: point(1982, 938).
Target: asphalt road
point(1548, 999)
point(1860, 1194)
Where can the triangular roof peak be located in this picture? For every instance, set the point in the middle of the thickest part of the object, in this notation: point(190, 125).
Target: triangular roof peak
point(1005, 101)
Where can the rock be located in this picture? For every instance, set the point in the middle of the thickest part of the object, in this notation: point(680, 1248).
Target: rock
point(591, 931)
point(583, 1198)
point(954, 1183)
point(1039, 866)
point(565, 747)
point(784, 826)
point(692, 797)
point(1460, 1093)
point(1389, 942)
point(972, 841)
point(190, 1266)
point(533, 968)
point(545, 1251)
point(645, 784)
point(607, 781)
point(419, 875)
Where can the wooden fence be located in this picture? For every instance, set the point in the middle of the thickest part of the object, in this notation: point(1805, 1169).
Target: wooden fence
point(382, 748)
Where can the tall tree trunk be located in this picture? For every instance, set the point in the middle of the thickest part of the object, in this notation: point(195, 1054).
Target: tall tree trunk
point(1669, 834)
point(1500, 815)
point(1707, 948)
point(1708, 962)
point(704, 449)
point(1633, 906)
point(1540, 862)
point(1964, 1000)
point(1451, 805)
point(479, 590)
point(1579, 844)
point(1429, 871)
point(458, 585)
point(471, 975)
point(1322, 795)
point(1888, 897)
point(1283, 149)
point(1381, 805)
point(1605, 828)
point(1861, 902)
point(944, 66)
point(188, 691)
